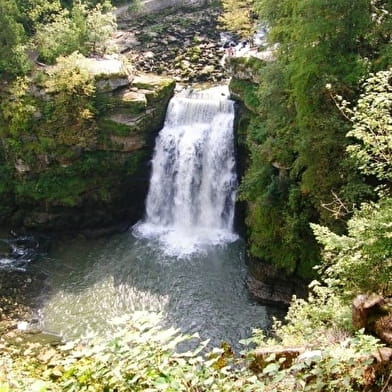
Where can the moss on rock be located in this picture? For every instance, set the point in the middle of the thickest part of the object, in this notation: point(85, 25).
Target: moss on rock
point(77, 154)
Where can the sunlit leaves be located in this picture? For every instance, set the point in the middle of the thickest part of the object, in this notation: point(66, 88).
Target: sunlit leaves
point(13, 59)
point(372, 127)
point(79, 29)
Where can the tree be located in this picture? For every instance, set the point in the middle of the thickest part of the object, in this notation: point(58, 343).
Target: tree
point(35, 12)
point(299, 136)
point(361, 261)
point(372, 128)
point(79, 29)
point(70, 113)
point(13, 59)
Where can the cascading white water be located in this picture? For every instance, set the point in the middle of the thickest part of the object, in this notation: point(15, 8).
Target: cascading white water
point(191, 199)
point(190, 206)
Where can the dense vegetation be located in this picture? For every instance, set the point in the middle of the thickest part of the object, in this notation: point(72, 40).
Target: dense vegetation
point(50, 29)
point(320, 152)
point(143, 357)
point(56, 149)
point(299, 171)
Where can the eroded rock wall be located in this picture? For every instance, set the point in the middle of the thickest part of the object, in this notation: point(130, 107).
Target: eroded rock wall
point(69, 185)
point(266, 282)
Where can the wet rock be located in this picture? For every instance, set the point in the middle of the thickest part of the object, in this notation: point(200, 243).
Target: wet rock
point(268, 285)
point(19, 295)
point(19, 251)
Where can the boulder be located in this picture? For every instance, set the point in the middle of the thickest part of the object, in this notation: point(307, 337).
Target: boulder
point(109, 72)
point(21, 167)
point(244, 68)
point(373, 313)
point(269, 285)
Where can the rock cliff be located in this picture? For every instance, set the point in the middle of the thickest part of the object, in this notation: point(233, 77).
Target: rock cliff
point(92, 176)
point(266, 282)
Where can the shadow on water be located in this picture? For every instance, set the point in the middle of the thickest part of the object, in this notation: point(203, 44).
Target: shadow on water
point(95, 281)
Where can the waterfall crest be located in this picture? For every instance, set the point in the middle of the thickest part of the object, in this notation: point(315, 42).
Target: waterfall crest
point(190, 203)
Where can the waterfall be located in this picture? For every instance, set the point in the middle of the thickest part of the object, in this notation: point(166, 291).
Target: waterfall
point(190, 203)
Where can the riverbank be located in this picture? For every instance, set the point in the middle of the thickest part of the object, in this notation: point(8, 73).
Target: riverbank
point(20, 292)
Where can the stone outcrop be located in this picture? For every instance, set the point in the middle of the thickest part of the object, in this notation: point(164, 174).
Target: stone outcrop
point(138, 110)
point(269, 285)
point(374, 314)
point(103, 182)
point(244, 68)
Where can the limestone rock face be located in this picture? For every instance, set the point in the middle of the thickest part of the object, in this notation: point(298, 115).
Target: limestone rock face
point(138, 110)
point(271, 286)
point(244, 68)
point(76, 187)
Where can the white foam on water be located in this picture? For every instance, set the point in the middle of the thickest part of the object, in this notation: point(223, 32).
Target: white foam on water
point(190, 203)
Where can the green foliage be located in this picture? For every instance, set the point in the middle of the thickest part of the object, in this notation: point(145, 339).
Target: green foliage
point(140, 357)
point(66, 184)
point(17, 109)
point(299, 132)
point(143, 357)
point(51, 30)
point(46, 124)
point(6, 186)
point(79, 29)
point(336, 368)
point(237, 16)
point(247, 91)
point(361, 261)
point(37, 12)
point(13, 59)
point(69, 112)
point(373, 127)
point(278, 212)
point(65, 118)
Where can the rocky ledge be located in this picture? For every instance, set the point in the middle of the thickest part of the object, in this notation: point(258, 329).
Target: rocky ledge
point(180, 43)
point(270, 286)
point(103, 181)
point(19, 297)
